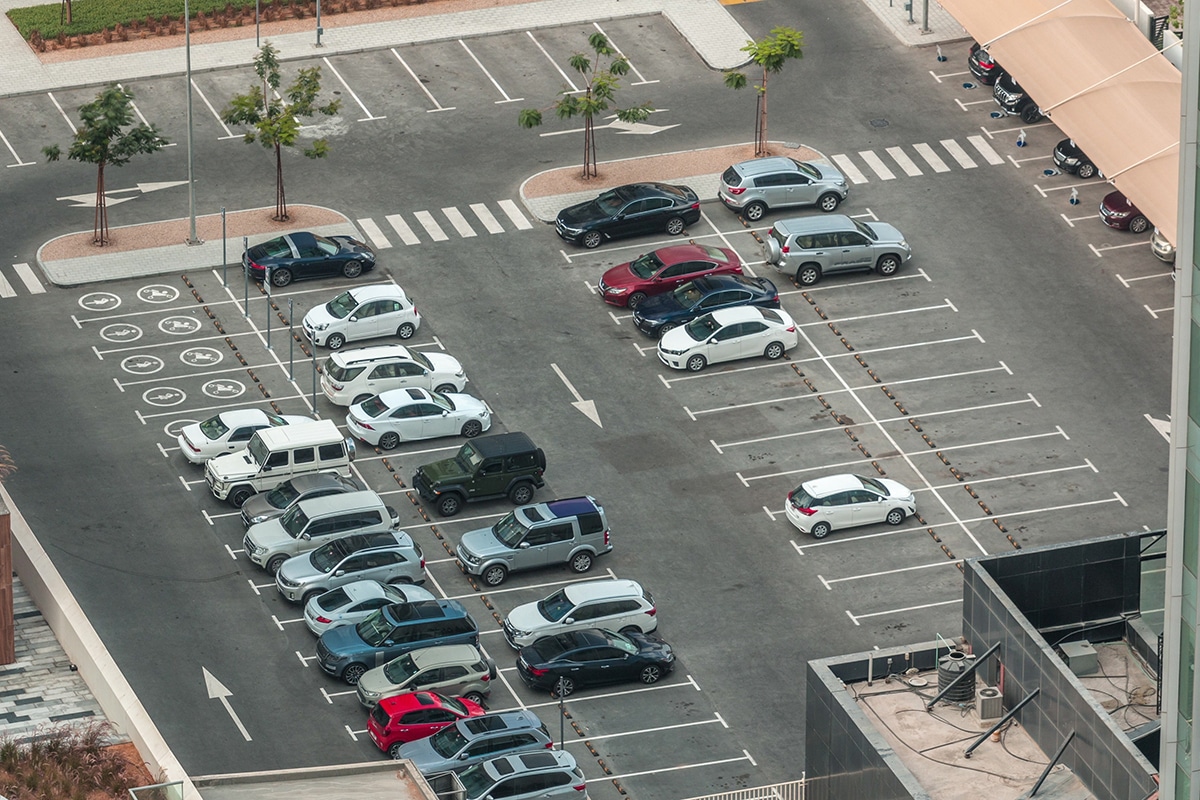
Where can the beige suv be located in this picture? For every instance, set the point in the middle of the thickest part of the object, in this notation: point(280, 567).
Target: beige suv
point(450, 669)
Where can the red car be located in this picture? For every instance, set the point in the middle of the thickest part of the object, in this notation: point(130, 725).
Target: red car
point(1116, 211)
point(663, 270)
point(415, 715)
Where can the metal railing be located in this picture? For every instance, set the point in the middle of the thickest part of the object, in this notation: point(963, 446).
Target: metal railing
point(792, 790)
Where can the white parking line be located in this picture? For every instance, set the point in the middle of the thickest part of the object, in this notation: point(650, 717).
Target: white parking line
point(401, 227)
point(963, 105)
point(900, 157)
point(437, 106)
point(1064, 187)
point(142, 116)
point(550, 584)
point(228, 133)
point(1126, 282)
point(640, 78)
point(243, 402)
point(459, 222)
point(515, 215)
point(659, 729)
point(1072, 220)
point(19, 163)
point(856, 617)
point(938, 78)
point(679, 767)
point(985, 150)
point(931, 158)
point(848, 168)
point(876, 164)
point(369, 116)
point(485, 217)
point(430, 225)
point(29, 279)
point(565, 76)
point(958, 154)
point(373, 233)
point(896, 571)
point(503, 93)
point(1017, 162)
point(1099, 251)
point(6, 289)
point(160, 378)
point(54, 100)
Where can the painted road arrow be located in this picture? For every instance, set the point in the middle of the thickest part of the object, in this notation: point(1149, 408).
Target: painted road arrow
point(639, 127)
point(217, 691)
point(1163, 426)
point(89, 200)
point(586, 406)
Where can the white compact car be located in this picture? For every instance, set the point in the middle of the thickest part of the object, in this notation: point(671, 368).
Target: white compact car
point(351, 603)
point(351, 376)
point(846, 501)
point(617, 605)
point(228, 432)
point(728, 334)
point(364, 312)
point(402, 415)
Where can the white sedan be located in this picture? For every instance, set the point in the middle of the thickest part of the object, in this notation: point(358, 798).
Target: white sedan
point(364, 312)
point(728, 334)
point(228, 432)
point(352, 603)
point(402, 415)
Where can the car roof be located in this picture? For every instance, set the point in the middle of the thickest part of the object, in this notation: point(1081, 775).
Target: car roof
point(243, 416)
point(407, 613)
point(364, 355)
point(631, 191)
point(673, 254)
point(728, 316)
point(407, 700)
point(402, 397)
point(717, 283)
point(331, 503)
point(318, 480)
point(825, 223)
point(302, 238)
point(445, 654)
point(757, 166)
point(377, 291)
point(502, 444)
point(502, 721)
point(595, 590)
point(571, 506)
point(819, 487)
point(533, 761)
point(362, 590)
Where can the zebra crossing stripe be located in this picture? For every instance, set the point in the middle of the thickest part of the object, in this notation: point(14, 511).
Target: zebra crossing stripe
point(6, 289)
point(985, 150)
point(459, 222)
point(848, 169)
point(900, 157)
point(958, 154)
point(877, 166)
point(430, 225)
point(485, 217)
point(401, 227)
point(514, 214)
point(931, 158)
point(29, 279)
point(374, 234)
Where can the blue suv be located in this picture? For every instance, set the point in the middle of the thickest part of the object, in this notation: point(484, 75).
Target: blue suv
point(392, 631)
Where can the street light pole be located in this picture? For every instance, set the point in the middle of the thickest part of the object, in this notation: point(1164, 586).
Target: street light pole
point(187, 47)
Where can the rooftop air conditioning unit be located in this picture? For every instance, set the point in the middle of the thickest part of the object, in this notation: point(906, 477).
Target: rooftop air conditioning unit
point(989, 704)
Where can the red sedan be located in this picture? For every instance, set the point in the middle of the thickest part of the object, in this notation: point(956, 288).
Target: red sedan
point(663, 270)
point(415, 715)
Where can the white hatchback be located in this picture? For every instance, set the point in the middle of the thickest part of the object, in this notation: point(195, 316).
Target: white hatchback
point(846, 501)
point(364, 312)
point(351, 376)
point(351, 603)
point(618, 605)
point(228, 432)
point(402, 415)
point(728, 334)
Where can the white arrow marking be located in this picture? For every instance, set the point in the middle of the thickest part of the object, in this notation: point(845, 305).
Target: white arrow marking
point(586, 406)
point(217, 691)
point(639, 127)
point(154, 187)
point(1163, 426)
point(84, 200)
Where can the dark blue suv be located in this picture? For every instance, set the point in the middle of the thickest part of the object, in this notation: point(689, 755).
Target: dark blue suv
point(349, 651)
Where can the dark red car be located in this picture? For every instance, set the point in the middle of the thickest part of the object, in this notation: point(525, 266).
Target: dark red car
point(663, 270)
point(1118, 212)
point(415, 715)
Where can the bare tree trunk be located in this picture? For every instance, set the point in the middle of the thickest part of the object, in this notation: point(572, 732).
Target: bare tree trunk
point(760, 130)
point(100, 224)
point(280, 200)
point(589, 149)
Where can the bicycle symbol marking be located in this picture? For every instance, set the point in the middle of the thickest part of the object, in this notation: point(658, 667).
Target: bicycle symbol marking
point(224, 388)
point(157, 293)
point(164, 396)
point(179, 326)
point(99, 301)
point(201, 356)
point(142, 365)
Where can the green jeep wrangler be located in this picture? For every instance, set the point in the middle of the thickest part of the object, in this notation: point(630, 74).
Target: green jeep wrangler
point(508, 465)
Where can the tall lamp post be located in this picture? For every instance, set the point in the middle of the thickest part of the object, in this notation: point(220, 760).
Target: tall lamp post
point(187, 48)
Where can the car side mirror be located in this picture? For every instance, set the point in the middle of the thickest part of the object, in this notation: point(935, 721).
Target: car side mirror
point(306, 536)
point(713, 340)
point(524, 545)
point(339, 573)
point(354, 319)
point(569, 621)
point(463, 756)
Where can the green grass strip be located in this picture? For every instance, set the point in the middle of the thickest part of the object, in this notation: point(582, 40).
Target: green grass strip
point(93, 16)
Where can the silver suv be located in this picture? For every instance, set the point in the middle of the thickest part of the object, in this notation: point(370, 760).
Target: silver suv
point(388, 557)
point(753, 187)
point(308, 524)
point(544, 774)
point(809, 247)
point(457, 670)
point(470, 741)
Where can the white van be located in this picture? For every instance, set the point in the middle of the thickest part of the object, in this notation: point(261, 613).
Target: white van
point(276, 455)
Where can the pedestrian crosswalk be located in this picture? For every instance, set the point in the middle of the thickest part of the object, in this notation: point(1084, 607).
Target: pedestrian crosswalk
point(930, 158)
point(25, 277)
point(426, 225)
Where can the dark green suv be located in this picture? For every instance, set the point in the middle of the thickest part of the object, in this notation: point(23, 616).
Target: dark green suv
point(508, 465)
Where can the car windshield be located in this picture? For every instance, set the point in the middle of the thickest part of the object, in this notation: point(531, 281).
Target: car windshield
point(294, 520)
point(621, 643)
point(454, 704)
point(645, 266)
point(807, 169)
point(326, 558)
point(865, 230)
point(214, 428)
point(688, 295)
point(421, 358)
point(468, 458)
point(509, 529)
point(442, 401)
point(874, 484)
point(400, 670)
point(258, 451)
point(702, 327)
point(276, 420)
point(555, 607)
point(375, 629)
point(339, 373)
point(374, 406)
point(282, 495)
point(327, 246)
point(609, 203)
point(476, 781)
point(448, 741)
point(341, 306)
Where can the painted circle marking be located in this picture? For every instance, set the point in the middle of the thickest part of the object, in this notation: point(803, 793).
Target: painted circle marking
point(224, 388)
point(121, 332)
point(179, 326)
point(99, 301)
point(163, 396)
point(176, 426)
point(142, 365)
point(157, 293)
point(201, 356)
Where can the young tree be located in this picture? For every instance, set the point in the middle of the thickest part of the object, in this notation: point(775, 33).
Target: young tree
point(770, 53)
point(274, 121)
point(603, 80)
point(107, 136)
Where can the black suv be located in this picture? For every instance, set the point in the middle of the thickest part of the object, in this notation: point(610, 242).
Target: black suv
point(508, 465)
point(1014, 100)
point(983, 66)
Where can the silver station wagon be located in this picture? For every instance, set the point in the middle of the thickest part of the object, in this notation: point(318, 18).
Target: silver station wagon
point(811, 247)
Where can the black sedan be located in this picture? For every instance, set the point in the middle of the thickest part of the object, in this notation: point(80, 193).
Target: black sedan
point(564, 662)
point(302, 255)
point(658, 314)
point(629, 210)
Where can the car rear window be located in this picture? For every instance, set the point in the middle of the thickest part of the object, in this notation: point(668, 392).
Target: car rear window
point(549, 647)
point(331, 600)
point(731, 177)
point(772, 315)
point(714, 253)
point(339, 373)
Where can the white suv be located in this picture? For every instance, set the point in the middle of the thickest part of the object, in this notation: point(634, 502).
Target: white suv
point(349, 377)
point(617, 605)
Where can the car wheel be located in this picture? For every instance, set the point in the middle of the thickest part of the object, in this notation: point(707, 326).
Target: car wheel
point(239, 496)
point(406, 330)
point(628, 629)
point(521, 494)
point(887, 265)
point(400, 582)
point(472, 428)
point(666, 326)
point(394, 750)
point(1030, 114)
point(754, 212)
point(821, 530)
point(335, 341)
point(1139, 225)
point(592, 239)
point(563, 687)
point(362, 398)
point(389, 440)
point(650, 673)
point(309, 596)
point(829, 202)
point(774, 350)
point(675, 226)
point(449, 505)
point(895, 516)
point(1086, 170)
point(474, 697)
point(495, 575)
point(808, 274)
point(446, 388)
point(274, 564)
point(636, 299)
point(281, 276)
point(696, 363)
point(352, 673)
point(352, 269)
point(581, 562)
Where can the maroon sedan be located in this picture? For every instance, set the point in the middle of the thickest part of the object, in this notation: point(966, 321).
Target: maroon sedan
point(663, 270)
point(1118, 212)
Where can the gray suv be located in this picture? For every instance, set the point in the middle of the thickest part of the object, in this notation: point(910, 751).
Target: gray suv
point(753, 187)
point(809, 247)
point(470, 741)
point(308, 524)
point(388, 557)
point(542, 774)
point(572, 531)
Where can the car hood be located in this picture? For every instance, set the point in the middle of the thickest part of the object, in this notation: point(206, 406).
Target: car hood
point(659, 305)
point(423, 756)
point(677, 339)
point(527, 618)
point(896, 490)
point(230, 466)
point(318, 315)
point(300, 569)
point(444, 364)
point(483, 543)
point(621, 275)
point(886, 234)
point(375, 682)
point(352, 246)
point(344, 641)
point(466, 404)
point(268, 534)
point(581, 213)
point(438, 471)
point(650, 646)
point(829, 173)
point(257, 506)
